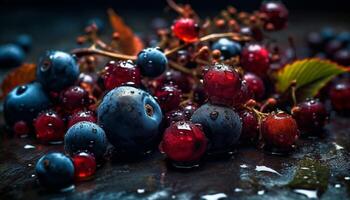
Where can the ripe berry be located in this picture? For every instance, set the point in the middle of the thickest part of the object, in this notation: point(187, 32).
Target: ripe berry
point(250, 126)
point(332, 47)
point(279, 132)
point(327, 34)
point(80, 116)
point(199, 94)
point(254, 32)
point(177, 78)
point(152, 62)
point(121, 73)
point(228, 48)
point(25, 42)
point(188, 109)
point(311, 116)
point(184, 144)
point(255, 58)
point(55, 171)
point(24, 103)
point(84, 166)
point(255, 85)
point(85, 137)
point(184, 58)
point(186, 29)
point(243, 95)
point(221, 84)
point(340, 95)
point(99, 23)
point(169, 97)
point(342, 57)
point(131, 118)
point(21, 129)
point(74, 98)
point(49, 127)
point(315, 41)
point(174, 116)
point(276, 13)
point(11, 55)
point(221, 125)
point(57, 70)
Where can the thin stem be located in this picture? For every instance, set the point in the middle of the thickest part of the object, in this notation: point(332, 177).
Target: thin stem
point(179, 67)
point(88, 51)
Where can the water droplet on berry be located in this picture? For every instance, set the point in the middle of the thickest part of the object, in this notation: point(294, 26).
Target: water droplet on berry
point(214, 115)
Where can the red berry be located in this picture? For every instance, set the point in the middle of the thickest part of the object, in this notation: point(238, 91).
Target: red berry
point(276, 13)
point(255, 85)
point(174, 116)
point(243, 95)
point(84, 166)
point(74, 98)
point(121, 73)
point(175, 77)
point(183, 142)
point(221, 83)
point(279, 132)
point(340, 95)
point(169, 97)
point(188, 109)
point(311, 116)
point(21, 129)
point(186, 29)
point(82, 116)
point(250, 126)
point(49, 127)
point(255, 58)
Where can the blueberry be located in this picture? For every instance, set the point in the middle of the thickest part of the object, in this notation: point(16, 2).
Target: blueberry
point(25, 42)
point(24, 103)
point(227, 47)
point(11, 55)
point(85, 136)
point(327, 34)
point(57, 70)
point(221, 125)
point(98, 22)
point(131, 119)
point(344, 37)
point(55, 171)
point(152, 62)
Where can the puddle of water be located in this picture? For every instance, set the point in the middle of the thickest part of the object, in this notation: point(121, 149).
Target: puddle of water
point(217, 196)
point(266, 169)
point(311, 194)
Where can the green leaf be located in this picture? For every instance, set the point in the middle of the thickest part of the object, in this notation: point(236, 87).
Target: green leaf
point(310, 76)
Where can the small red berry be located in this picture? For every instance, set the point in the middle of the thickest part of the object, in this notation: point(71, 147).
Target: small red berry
point(188, 108)
point(340, 95)
point(184, 142)
point(255, 58)
point(74, 98)
point(82, 116)
point(279, 132)
point(49, 127)
point(84, 166)
point(175, 77)
point(276, 13)
point(121, 73)
point(243, 95)
point(174, 116)
point(250, 126)
point(255, 85)
point(221, 84)
point(169, 97)
point(186, 29)
point(21, 129)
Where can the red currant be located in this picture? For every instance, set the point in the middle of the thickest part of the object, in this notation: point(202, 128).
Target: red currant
point(279, 132)
point(250, 126)
point(175, 77)
point(74, 98)
point(243, 95)
point(21, 129)
point(311, 116)
point(340, 95)
point(121, 73)
point(49, 127)
point(276, 13)
point(174, 116)
point(169, 97)
point(255, 85)
point(221, 84)
point(82, 116)
point(186, 29)
point(84, 166)
point(184, 143)
point(255, 58)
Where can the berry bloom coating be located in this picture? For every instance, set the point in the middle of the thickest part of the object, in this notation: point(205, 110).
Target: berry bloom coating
point(131, 118)
point(121, 73)
point(49, 127)
point(340, 95)
point(11, 55)
point(279, 132)
point(255, 85)
point(255, 58)
point(24, 103)
point(74, 98)
point(186, 29)
point(85, 137)
point(80, 116)
point(57, 70)
point(221, 125)
point(221, 83)
point(250, 126)
point(152, 62)
point(84, 166)
point(276, 13)
point(228, 48)
point(311, 116)
point(183, 142)
point(55, 171)
point(169, 97)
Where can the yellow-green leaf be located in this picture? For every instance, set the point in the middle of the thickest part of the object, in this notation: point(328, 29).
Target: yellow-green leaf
point(310, 76)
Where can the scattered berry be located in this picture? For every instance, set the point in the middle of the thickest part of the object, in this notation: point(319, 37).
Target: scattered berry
point(255, 85)
point(340, 95)
point(276, 13)
point(21, 129)
point(250, 126)
point(152, 62)
point(186, 29)
point(11, 55)
point(49, 127)
point(169, 97)
point(81, 116)
point(84, 166)
point(74, 98)
point(25, 42)
point(228, 48)
point(255, 58)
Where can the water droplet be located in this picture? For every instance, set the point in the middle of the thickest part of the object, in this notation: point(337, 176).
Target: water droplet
point(261, 192)
point(214, 196)
point(337, 186)
point(140, 191)
point(311, 194)
point(238, 190)
point(214, 115)
point(28, 146)
point(266, 169)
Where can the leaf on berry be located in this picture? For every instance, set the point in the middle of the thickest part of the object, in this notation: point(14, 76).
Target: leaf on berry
point(310, 75)
point(18, 76)
point(128, 43)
